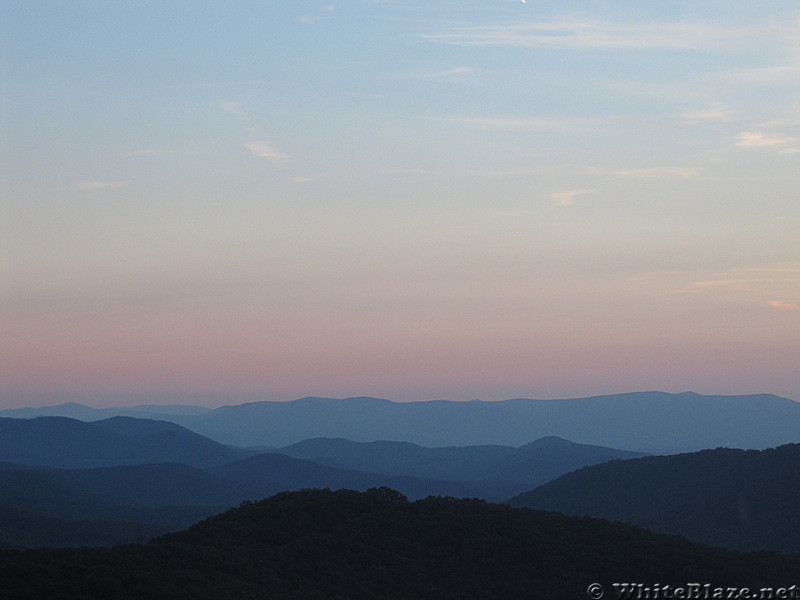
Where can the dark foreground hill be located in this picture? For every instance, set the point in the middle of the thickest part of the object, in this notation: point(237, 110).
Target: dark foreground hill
point(745, 500)
point(113, 505)
point(375, 545)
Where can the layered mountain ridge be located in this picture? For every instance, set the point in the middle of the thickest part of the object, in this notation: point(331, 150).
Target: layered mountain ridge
point(652, 422)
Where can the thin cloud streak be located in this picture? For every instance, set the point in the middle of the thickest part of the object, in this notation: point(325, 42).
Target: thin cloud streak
point(146, 152)
point(567, 197)
point(775, 280)
point(769, 269)
point(744, 284)
point(96, 185)
point(574, 33)
point(235, 109)
point(263, 150)
point(533, 123)
point(664, 172)
point(715, 113)
point(759, 139)
point(781, 305)
point(738, 284)
point(453, 71)
point(453, 74)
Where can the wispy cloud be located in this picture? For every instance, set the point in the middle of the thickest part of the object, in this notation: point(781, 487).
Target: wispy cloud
point(453, 74)
point(146, 152)
point(235, 109)
point(764, 281)
point(783, 305)
point(759, 139)
point(790, 268)
point(96, 185)
point(567, 197)
point(662, 172)
point(507, 172)
point(548, 123)
point(779, 74)
point(308, 18)
point(739, 285)
point(263, 150)
point(714, 113)
point(587, 33)
point(787, 70)
point(218, 84)
point(779, 123)
point(729, 284)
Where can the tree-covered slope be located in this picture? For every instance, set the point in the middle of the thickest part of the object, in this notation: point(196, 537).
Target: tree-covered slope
point(375, 545)
point(741, 499)
point(57, 507)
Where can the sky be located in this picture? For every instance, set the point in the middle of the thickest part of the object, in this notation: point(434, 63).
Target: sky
point(212, 201)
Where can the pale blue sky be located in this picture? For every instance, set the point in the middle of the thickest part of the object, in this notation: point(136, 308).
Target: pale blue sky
point(413, 200)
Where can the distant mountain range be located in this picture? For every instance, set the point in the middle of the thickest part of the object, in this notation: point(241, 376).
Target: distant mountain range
point(125, 471)
point(82, 412)
point(746, 500)
point(61, 478)
point(652, 422)
point(499, 471)
point(376, 544)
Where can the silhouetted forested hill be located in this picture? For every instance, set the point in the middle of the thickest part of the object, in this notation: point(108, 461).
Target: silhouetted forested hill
point(747, 500)
point(24, 529)
point(43, 507)
point(376, 545)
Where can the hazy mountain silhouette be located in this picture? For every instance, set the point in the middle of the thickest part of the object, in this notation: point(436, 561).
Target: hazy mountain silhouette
point(523, 467)
point(70, 443)
point(647, 422)
point(376, 544)
point(654, 422)
point(739, 499)
point(75, 410)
